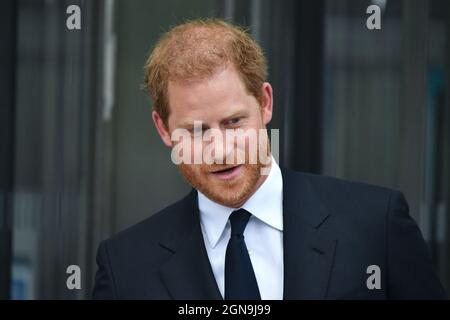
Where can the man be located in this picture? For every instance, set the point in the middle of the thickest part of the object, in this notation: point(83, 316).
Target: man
point(250, 230)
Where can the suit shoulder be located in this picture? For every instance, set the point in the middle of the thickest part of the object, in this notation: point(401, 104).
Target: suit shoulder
point(340, 194)
point(342, 185)
point(152, 228)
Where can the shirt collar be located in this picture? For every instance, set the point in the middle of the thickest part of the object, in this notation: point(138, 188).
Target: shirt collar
point(265, 204)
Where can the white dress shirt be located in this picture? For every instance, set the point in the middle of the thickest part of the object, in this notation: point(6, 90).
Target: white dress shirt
point(263, 234)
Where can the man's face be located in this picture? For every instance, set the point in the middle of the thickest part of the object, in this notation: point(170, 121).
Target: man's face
point(221, 103)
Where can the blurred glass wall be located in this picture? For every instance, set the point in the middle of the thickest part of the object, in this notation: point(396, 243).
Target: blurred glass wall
point(386, 113)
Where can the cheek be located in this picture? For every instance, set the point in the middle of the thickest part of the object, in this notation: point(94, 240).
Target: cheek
point(192, 170)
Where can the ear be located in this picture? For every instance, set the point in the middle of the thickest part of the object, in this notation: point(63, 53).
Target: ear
point(266, 102)
point(161, 128)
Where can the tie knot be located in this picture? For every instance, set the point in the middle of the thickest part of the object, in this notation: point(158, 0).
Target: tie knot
point(238, 220)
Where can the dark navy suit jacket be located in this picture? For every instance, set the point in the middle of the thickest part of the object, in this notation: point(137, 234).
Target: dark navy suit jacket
point(333, 230)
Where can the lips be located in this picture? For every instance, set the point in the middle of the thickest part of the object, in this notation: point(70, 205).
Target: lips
point(223, 169)
point(227, 173)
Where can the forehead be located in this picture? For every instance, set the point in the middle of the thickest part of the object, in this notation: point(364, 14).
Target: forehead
point(208, 99)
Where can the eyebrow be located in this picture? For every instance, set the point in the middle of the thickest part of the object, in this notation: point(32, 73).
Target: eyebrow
point(237, 114)
point(189, 124)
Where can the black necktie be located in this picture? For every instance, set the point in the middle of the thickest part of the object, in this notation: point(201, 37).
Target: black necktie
point(240, 281)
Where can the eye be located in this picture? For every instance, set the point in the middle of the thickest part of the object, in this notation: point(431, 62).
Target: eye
point(234, 121)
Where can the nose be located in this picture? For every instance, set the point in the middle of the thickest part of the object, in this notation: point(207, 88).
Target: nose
point(218, 149)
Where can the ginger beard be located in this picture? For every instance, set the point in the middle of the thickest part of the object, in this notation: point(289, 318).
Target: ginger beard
point(235, 191)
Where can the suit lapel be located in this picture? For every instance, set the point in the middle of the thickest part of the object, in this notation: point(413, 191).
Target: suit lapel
point(309, 244)
point(188, 274)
